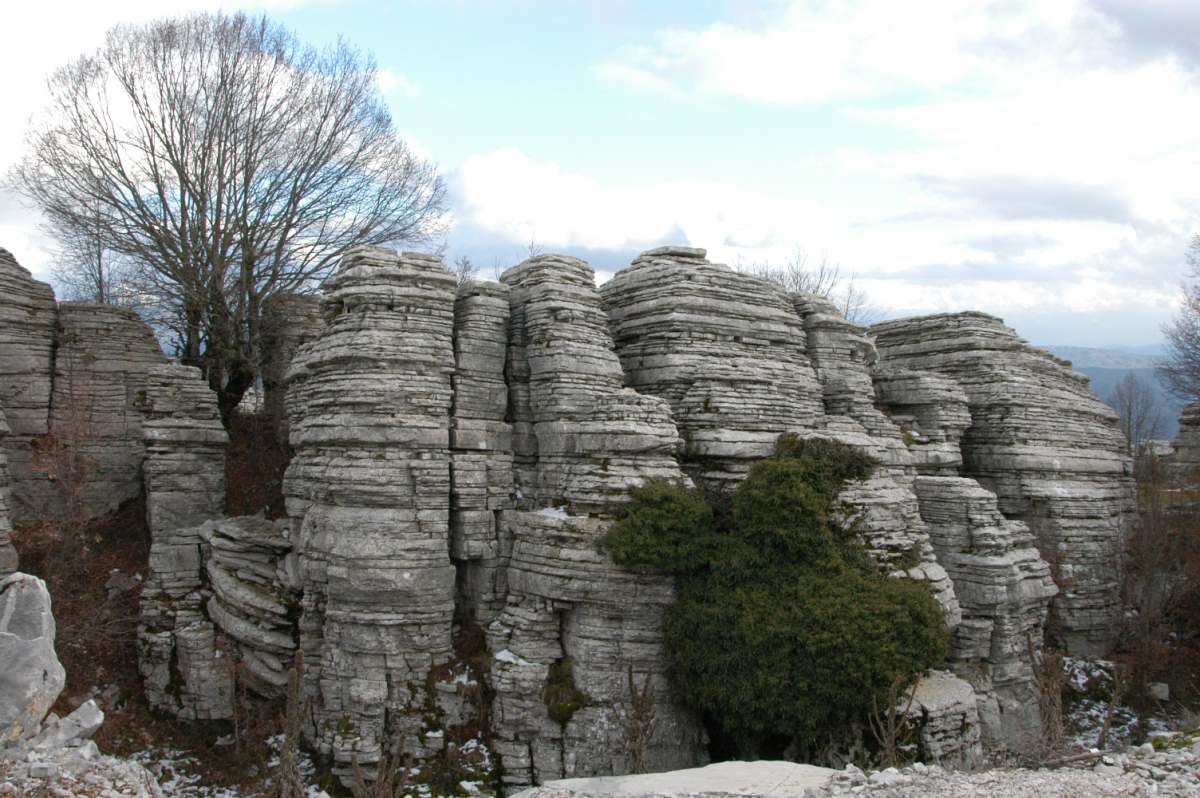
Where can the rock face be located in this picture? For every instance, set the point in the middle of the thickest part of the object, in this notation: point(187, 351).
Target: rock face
point(30, 675)
point(184, 470)
point(1183, 464)
point(288, 321)
point(184, 474)
point(481, 443)
point(576, 631)
point(945, 709)
point(28, 317)
point(1004, 589)
point(368, 492)
point(726, 350)
point(103, 354)
point(8, 553)
point(459, 451)
point(1042, 442)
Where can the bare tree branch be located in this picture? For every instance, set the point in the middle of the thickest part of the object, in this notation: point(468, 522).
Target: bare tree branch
point(225, 162)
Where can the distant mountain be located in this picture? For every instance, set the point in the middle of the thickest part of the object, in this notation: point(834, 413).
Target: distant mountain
point(1089, 357)
point(1107, 367)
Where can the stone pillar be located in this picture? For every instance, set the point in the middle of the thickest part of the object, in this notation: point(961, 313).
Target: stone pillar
point(368, 494)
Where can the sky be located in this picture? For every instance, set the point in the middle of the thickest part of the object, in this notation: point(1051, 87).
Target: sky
point(1035, 160)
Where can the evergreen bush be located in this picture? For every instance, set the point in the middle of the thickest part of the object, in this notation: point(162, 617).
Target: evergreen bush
point(784, 631)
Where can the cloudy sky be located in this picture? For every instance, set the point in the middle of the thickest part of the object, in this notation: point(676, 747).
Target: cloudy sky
point(1037, 160)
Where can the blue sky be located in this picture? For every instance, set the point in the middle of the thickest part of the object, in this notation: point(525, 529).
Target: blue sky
point(1036, 160)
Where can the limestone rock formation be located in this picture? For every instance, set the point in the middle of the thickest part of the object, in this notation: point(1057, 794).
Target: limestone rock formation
point(184, 469)
point(369, 404)
point(184, 474)
point(945, 709)
point(1183, 464)
point(30, 674)
point(8, 553)
point(183, 671)
point(577, 631)
point(932, 414)
point(103, 354)
point(28, 316)
point(725, 349)
point(288, 321)
point(1042, 442)
point(1004, 588)
point(481, 442)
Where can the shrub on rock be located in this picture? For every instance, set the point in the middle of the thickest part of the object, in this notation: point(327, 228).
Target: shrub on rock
point(783, 632)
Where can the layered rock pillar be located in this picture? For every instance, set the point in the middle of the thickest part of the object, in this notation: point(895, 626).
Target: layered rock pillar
point(367, 492)
point(1046, 446)
point(576, 630)
point(28, 319)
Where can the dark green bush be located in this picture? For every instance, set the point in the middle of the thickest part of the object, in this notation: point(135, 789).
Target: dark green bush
point(783, 628)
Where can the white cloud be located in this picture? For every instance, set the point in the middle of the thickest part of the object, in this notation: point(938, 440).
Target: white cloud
point(392, 82)
point(520, 199)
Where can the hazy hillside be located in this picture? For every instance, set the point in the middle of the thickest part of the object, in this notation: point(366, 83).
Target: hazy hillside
point(1107, 367)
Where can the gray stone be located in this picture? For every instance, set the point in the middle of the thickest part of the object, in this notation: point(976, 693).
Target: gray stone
point(30, 674)
point(1045, 445)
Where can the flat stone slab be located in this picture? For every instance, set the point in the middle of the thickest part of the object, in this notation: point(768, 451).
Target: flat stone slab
point(765, 778)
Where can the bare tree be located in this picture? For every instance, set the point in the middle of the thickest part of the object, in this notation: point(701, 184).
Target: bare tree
point(229, 162)
point(464, 270)
point(1180, 369)
point(1138, 405)
point(86, 270)
point(825, 280)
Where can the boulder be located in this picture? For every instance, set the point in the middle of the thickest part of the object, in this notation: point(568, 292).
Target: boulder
point(31, 676)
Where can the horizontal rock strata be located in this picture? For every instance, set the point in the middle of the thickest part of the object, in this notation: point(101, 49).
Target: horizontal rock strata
point(184, 473)
point(1046, 446)
point(368, 491)
point(103, 355)
point(28, 319)
point(726, 350)
point(1004, 588)
point(288, 321)
point(576, 629)
point(8, 553)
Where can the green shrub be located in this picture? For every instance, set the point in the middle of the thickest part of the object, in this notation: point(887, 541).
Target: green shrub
point(783, 628)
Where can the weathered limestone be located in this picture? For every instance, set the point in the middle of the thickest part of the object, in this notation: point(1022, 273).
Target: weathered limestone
point(288, 322)
point(8, 553)
point(883, 507)
point(1183, 464)
point(481, 450)
point(28, 317)
point(102, 357)
point(254, 576)
point(576, 629)
point(183, 671)
point(932, 414)
point(1046, 446)
point(725, 349)
point(944, 708)
point(367, 491)
point(184, 472)
point(1004, 588)
point(30, 674)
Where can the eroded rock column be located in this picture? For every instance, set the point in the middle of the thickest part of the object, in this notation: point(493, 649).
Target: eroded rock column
point(28, 317)
point(183, 671)
point(481, 444)
point(368, 493)
point(8, 553)
point(1046, 446)
point(576, 630)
